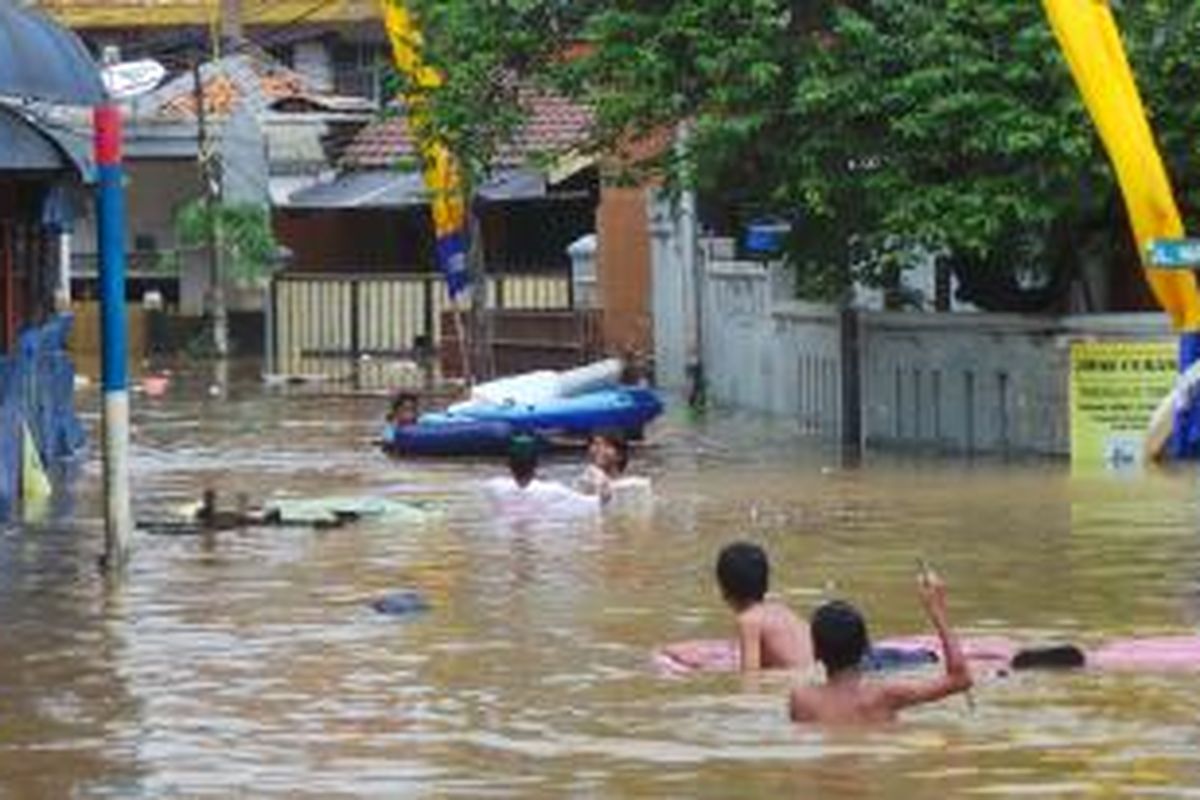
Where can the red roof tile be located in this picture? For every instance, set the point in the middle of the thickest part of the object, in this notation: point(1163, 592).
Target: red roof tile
point(555, 125)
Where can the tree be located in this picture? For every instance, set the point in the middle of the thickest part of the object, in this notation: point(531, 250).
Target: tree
point(251, 250)
point(880, 128)
point(485, 52)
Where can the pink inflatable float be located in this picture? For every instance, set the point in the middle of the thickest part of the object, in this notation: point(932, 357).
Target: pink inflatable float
point(1146, 654)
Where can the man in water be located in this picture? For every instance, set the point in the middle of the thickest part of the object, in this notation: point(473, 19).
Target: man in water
point(524, 494)
point(839, 640)
point(770, 636)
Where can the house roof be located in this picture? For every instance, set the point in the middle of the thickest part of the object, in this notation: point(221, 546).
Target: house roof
point(27, 146)
point(555, 126)
point(167, 13)
point(251, 80)
point(390, 189)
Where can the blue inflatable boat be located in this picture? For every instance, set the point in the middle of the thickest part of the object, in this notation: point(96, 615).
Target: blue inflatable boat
point(458, 437)
point(627, 409)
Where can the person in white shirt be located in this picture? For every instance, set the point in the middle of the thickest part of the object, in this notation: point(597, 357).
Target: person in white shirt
point(523, 494)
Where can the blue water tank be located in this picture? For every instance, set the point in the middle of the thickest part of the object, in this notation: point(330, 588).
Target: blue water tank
point(766, 236)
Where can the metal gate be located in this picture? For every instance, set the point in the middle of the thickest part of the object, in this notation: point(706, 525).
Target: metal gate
point(372, 328)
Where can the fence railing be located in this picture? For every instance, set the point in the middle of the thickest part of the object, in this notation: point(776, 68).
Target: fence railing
point(358, 326)
point(966, 383)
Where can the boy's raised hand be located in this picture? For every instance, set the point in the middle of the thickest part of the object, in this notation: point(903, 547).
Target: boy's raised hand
point(933, 594)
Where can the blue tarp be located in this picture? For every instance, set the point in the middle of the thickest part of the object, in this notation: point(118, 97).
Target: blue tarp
point(37, 388)
point(1185, 435)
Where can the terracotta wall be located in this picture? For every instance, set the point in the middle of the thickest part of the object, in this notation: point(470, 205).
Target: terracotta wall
point(623, 255)
point(623, 269)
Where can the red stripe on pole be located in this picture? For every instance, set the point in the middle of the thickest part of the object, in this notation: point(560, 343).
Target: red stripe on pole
point(106, 120)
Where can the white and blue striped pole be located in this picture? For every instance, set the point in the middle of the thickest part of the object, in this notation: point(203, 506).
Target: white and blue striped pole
point(118, 512)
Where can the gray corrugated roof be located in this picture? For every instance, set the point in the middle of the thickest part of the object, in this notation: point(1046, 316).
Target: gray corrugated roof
point(394, 189)
point(28, 144)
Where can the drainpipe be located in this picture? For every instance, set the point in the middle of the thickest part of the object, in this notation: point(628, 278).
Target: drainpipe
point(10, 302)
point(62, 296)
point(118, 514)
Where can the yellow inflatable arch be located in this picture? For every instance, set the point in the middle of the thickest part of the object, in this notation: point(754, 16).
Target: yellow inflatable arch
point(1088, 36)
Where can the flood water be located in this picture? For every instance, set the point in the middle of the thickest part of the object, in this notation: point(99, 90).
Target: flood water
point(253, 666)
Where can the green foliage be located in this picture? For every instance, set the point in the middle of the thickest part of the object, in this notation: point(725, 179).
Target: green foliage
point(484, 50)
point(883, 129)
point(247, 240)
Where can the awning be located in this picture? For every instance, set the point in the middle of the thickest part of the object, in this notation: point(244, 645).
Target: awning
point(42, 61)
point(395, 189)
point(27, 146)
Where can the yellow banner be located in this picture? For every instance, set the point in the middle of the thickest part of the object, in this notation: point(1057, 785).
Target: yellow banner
point(1088, 36)
point(441, 173)
point(1115, 387)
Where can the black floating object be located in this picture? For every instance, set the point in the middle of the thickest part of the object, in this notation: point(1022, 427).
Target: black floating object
point(886, 658)
point(399, 604)
point(1062, 656)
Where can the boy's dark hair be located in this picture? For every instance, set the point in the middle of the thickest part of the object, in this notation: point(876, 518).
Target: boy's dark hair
point(522, 458)
point(743, 573)
point(839, 636)
point(617, 439)
point(404, 398)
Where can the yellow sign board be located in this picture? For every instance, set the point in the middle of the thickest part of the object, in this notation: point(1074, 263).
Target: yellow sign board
point(1115, 387)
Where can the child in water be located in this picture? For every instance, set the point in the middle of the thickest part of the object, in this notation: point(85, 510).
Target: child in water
point(770, 636)
point(608, 456)
point(839, 640)
point(404, 410)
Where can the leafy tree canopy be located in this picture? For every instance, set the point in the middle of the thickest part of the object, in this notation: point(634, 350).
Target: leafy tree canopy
point(880, 128)
point(247, 240)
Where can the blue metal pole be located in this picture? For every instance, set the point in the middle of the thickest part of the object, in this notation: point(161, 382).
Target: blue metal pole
point(118, 514)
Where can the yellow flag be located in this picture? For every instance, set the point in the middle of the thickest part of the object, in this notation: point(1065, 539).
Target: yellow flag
point(441, 172)
point(1088, 36)
point(35, 485)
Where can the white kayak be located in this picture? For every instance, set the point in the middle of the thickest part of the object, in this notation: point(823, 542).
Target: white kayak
point(531, 388)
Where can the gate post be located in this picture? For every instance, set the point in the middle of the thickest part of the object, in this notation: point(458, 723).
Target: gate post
point(851, 352)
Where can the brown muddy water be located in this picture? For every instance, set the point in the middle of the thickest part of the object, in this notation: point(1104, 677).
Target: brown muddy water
point(252, 666)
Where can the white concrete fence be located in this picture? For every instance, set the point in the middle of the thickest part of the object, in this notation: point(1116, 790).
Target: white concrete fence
point(965, 383)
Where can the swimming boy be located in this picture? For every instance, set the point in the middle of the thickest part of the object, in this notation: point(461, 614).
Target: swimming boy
point(404, 410)
point(770, 636)
point(839, 639)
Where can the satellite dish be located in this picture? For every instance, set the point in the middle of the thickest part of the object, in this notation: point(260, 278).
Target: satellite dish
point(132, 78)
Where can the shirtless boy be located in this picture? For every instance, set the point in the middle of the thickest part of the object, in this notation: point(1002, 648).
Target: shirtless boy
point(769, 635)
point(839, 638)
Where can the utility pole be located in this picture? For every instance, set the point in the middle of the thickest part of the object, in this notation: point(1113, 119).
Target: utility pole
point(210, 185)
point(118, 511)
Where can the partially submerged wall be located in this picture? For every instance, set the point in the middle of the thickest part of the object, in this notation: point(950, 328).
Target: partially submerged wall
point(971, 383)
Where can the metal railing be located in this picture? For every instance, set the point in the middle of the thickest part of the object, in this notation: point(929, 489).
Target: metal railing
point(358, 326)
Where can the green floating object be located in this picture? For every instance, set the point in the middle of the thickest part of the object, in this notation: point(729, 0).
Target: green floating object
point(331, 511)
